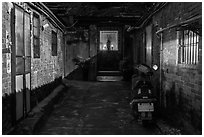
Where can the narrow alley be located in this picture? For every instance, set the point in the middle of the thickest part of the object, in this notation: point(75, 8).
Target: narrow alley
point(101, 68)
point(95, 108)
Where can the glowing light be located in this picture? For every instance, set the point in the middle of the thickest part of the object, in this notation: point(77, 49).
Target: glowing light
point(112, 46)
point(104, 47)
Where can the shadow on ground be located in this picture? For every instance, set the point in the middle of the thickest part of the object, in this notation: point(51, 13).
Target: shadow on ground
point(94, 108)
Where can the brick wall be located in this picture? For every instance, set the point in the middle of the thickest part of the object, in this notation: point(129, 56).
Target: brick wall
point(44, 70)
point(181, 94)
point(181, 84)
point(47, 68)
point(6, 74)
point(6, 56)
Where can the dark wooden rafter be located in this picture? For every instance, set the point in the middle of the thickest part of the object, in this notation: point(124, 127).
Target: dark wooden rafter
point(97, 12)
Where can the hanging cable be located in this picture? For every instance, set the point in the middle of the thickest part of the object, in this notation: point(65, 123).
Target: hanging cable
point(72, 25)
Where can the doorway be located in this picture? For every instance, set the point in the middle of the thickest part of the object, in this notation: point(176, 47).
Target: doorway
point(108, 51)
point(21, 60)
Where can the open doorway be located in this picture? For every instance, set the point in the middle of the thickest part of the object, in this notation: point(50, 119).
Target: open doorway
point(108, 54)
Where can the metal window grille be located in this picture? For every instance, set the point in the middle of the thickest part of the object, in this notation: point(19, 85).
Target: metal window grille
point(188, 47)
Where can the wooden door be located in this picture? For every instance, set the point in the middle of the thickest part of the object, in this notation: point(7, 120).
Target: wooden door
point(22, 61)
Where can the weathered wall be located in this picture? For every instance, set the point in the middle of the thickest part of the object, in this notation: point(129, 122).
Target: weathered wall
point(138, 44)
point(74, 48)
point(44, 70)
point(6, 66)
point(93, 42)
point(181, 94)
point(6, 55)
point(83, 44)
point(47, 68)
point(181, 84)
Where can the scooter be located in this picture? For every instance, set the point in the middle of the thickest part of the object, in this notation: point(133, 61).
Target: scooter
point(142, 97)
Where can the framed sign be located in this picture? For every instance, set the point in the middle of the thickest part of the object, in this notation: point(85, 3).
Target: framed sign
point(108, 40)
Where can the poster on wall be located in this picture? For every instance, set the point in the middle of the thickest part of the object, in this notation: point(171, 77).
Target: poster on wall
point(8, 62)
point(108, 40)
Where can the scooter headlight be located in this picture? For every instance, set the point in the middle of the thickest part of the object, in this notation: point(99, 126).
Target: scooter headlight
point(139, 91)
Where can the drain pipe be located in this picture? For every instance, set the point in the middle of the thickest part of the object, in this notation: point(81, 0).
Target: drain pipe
point(161, 60)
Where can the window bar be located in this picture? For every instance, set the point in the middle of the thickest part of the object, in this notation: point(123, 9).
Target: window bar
point(187, 47)
point(186, 39)
point(190, 45)
point(195, 47)
point(193, 44)
point(184, 49)
point(182, 46)
point(197, 41)
point(192, 34)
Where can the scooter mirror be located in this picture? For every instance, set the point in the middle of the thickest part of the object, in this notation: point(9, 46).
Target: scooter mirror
point(155, 67)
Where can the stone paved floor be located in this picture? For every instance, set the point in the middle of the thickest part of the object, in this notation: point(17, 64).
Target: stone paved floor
point(95, 108)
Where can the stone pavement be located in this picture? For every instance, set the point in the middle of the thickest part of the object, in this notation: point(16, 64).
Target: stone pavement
point(166, 129)
point(28, 125)
point(94, 108)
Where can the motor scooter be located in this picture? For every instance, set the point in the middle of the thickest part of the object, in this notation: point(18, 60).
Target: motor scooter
point(142, 95)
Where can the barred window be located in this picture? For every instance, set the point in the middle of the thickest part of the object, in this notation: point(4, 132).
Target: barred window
point(36, 36)
point(188, 47)
point(54, 43)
